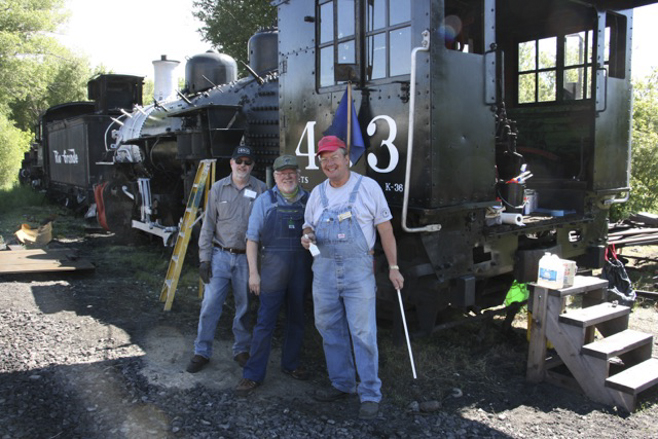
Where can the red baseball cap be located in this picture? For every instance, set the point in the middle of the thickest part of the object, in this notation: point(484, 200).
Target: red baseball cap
point(330, 144)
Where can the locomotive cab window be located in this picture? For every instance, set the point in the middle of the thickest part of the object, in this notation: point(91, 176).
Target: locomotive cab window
point(362, 41)
point(561, 68)
point(462, 30)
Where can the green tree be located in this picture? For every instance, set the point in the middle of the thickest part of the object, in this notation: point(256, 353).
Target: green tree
point(644, 162)
point(230, 23)
point(13, 142)
point(35, 73)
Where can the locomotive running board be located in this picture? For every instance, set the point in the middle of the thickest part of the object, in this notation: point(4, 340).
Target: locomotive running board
point(156, 229)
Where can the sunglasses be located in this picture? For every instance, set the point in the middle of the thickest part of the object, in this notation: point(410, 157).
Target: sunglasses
point(245, 161)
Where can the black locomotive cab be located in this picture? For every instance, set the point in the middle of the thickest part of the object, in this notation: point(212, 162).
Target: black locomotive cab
point(466, 107)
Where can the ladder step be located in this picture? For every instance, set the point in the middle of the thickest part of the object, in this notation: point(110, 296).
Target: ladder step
point(635, 379)
point(593, 315)
point(617, 344)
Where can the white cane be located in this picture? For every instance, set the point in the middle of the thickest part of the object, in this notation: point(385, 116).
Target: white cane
point(406, 334)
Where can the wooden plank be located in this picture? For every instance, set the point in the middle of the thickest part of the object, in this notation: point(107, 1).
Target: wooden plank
point(617, 344)
point(41, 261)
point(635, 379)
point(594, 315)
point(581, 284)
point(8, 257)
point(536, 366)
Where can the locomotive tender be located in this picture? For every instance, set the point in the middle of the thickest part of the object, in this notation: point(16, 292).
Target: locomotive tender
point(455, 98)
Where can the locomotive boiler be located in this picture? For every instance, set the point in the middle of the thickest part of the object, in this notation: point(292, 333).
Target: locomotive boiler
point(465, 106)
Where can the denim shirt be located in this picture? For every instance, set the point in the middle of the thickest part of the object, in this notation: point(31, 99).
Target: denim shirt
point(262, 205)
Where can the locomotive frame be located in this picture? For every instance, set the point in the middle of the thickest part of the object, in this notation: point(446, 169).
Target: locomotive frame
point(455, 97)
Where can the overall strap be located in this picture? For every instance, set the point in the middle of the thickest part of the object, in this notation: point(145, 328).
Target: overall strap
point(272, 196)
point(355, 191)
point(323, 195)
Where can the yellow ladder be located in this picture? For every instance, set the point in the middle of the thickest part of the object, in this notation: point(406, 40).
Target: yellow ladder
point(199, 190)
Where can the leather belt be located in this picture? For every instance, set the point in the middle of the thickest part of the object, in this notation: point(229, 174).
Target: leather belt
point(236, 251)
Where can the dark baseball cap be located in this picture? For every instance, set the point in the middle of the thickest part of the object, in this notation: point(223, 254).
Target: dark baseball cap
point(286, 161)
point(242, 151)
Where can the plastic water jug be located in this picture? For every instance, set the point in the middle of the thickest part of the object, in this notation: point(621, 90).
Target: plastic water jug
point(551, 272)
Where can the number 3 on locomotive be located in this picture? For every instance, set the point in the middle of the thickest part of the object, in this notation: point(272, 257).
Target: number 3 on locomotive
point(308, 137)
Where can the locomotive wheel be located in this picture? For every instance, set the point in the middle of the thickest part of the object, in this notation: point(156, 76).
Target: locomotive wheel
point(118, 209)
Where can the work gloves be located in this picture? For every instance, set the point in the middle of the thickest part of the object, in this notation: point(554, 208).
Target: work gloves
point(205, 272)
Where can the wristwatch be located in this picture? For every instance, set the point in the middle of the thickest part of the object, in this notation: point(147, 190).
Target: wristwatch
point(393, 267)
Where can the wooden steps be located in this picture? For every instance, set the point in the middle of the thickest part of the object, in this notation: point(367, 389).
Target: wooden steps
point(593, 315)
point(589, 362)
point(635, 379)
point(617, 344)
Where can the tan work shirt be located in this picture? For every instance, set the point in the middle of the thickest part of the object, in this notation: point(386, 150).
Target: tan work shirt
point(227, 215)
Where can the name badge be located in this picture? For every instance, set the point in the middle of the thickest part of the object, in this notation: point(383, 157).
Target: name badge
point(250, 194)
point(344, 216)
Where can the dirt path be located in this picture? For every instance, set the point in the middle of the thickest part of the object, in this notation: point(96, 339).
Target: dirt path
point(95, 356)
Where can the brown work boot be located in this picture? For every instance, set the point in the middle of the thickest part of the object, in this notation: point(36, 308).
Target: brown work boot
point(245, 386)
point(197, 363)
point(242, 358)
point(368, 410)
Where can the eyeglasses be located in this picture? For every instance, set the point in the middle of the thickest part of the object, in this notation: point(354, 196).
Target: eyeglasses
point(286, 174)
point(245, 161)
point(332, 158)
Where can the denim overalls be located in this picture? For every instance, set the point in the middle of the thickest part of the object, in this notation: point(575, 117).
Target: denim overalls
point(285, 278)
point(344, 298)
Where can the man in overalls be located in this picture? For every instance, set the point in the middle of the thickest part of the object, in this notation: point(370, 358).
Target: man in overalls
point(341, 217)
point(223, 261)
point(275, 226)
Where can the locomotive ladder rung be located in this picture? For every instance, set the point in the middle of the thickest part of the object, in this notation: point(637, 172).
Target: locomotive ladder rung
point(205, 175)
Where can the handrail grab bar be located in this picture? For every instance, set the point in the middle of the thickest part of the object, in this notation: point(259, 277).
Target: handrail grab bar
point(425, 46)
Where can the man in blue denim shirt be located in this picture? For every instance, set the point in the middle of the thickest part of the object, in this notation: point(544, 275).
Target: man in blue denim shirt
point(275, 226)
point(223, 261)
point(342, 216)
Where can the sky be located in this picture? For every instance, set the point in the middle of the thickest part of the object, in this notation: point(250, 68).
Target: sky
point(127, 35)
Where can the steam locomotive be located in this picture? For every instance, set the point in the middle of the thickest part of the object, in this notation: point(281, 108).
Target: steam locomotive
point(460, 102)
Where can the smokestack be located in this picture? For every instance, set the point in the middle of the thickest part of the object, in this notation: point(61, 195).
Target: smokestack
point(165, 84)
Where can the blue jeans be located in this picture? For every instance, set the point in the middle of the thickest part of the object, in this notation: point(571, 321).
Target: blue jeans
point(344, 299)
point(285, 280)
point(227, 268)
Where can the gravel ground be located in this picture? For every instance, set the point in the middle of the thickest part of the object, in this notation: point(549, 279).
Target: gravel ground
point(94, 356)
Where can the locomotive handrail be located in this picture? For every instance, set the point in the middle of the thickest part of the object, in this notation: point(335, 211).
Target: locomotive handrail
point(424, 47)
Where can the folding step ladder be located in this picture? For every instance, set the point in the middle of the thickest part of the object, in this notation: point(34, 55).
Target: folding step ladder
point(205, 176)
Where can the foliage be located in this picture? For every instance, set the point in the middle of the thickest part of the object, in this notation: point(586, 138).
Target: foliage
point(35, 73)
point(19, 197)
point(13, 143)
point(51, 80)
point(644, 161)
point(645, 142)
point(230, 23)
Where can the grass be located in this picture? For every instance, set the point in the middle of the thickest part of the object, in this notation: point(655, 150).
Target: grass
point(22, 204)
